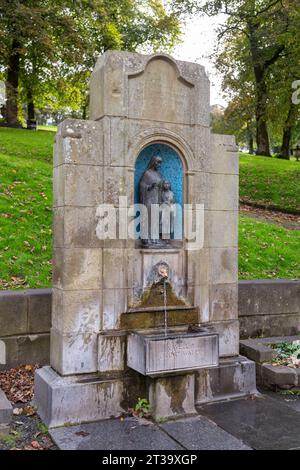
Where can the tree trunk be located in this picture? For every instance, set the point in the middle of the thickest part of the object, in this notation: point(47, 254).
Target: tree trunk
point(286, 143)
point(287, 132)
point(30, 106)
point(12, 84)
point(251, 144)
point(262, 135)
point(85, 107)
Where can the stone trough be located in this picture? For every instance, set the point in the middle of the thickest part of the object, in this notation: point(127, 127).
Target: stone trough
point(156, 353)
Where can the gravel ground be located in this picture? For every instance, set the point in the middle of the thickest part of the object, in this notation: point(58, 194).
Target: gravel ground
point(27, 433)
point(27, 430)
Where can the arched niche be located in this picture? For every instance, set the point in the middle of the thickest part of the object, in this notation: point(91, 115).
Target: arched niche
point(171, 169)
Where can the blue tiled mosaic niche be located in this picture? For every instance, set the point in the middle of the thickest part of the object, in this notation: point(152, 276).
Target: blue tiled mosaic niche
point(171, 169)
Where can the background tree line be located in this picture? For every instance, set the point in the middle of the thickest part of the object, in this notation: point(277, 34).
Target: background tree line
point(258, 55)
point(48, 48)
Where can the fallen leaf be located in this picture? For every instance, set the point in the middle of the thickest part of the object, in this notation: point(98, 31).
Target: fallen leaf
point(28, 411)
point(82, 433)
point(36, 445)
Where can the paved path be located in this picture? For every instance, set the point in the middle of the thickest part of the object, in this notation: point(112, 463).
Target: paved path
point(266, 422)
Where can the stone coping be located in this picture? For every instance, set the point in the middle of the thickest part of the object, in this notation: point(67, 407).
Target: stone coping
point(269, 375)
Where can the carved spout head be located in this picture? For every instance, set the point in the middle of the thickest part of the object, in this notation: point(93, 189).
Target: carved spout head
point(163, 271)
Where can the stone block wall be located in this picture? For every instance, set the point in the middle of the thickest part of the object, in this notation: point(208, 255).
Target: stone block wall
point(266, 308)
point(25, 320)
point(269, 308)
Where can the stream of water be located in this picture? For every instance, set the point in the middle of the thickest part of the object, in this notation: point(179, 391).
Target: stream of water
point(165, 307)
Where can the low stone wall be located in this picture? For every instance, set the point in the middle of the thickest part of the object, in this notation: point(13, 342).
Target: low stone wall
point(266, 308)
point(269, 308)
point(25, 319)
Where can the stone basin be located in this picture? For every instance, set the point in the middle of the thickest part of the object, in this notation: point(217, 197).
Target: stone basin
point(154, 353)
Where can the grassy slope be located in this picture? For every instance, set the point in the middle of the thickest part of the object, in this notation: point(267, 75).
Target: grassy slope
point(25, 208)
point(267, 251)
point(25, 214)
point(270, 182)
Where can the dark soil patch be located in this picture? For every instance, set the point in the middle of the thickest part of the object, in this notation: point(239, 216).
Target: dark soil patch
point(282, 219)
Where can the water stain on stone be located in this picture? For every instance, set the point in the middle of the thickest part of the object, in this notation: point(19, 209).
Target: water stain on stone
point(175, 388)
point(154, 297)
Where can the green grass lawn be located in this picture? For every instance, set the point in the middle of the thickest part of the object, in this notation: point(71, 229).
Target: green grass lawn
point(28, 145)
point(270, 182)
point(266, 251)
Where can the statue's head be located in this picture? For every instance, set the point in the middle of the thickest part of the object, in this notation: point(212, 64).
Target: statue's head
point(155, 163)
point(166, 186)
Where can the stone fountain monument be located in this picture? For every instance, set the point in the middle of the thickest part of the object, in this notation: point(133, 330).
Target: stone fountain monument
point(146, 315)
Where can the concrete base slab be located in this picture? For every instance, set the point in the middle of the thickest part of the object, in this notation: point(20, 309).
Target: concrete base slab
point(133, 434)
point(6, 412)
point(82, 398)
point(59, 399)
point(200, 433)
point(263, 423)
point(234, 378)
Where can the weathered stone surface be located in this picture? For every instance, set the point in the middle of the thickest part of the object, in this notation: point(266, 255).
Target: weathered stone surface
point(60, 399)
point(73, 353)
point(39, 311)
point(157, 353)
point(172, 397)
point(114, 268)
point(25, 349)
point(149, 82)
point(228, 337)
point(224, 158)
point(76, 311)
point(13, 313)
point(111, 352)
point(128, 434)
point(262, 423)
point(197, 267)
point(277, 376)
point(114, 304)
point(78, 185)
point(221, 229)
point(198, 189)
point(155, 318)
point(269, 297)
point(79, 142)
point(197, 433)
point(6, 412)
point(269, 308)
point(257, 351)
point(254, 326)
point(223, 302)
point(199, 296)
point(235, 377)
point(223, 266)
point(77, 268)
point(220, 200)
point(200, 433)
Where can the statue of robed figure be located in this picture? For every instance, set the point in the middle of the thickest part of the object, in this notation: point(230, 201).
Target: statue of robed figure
point(150, 196)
